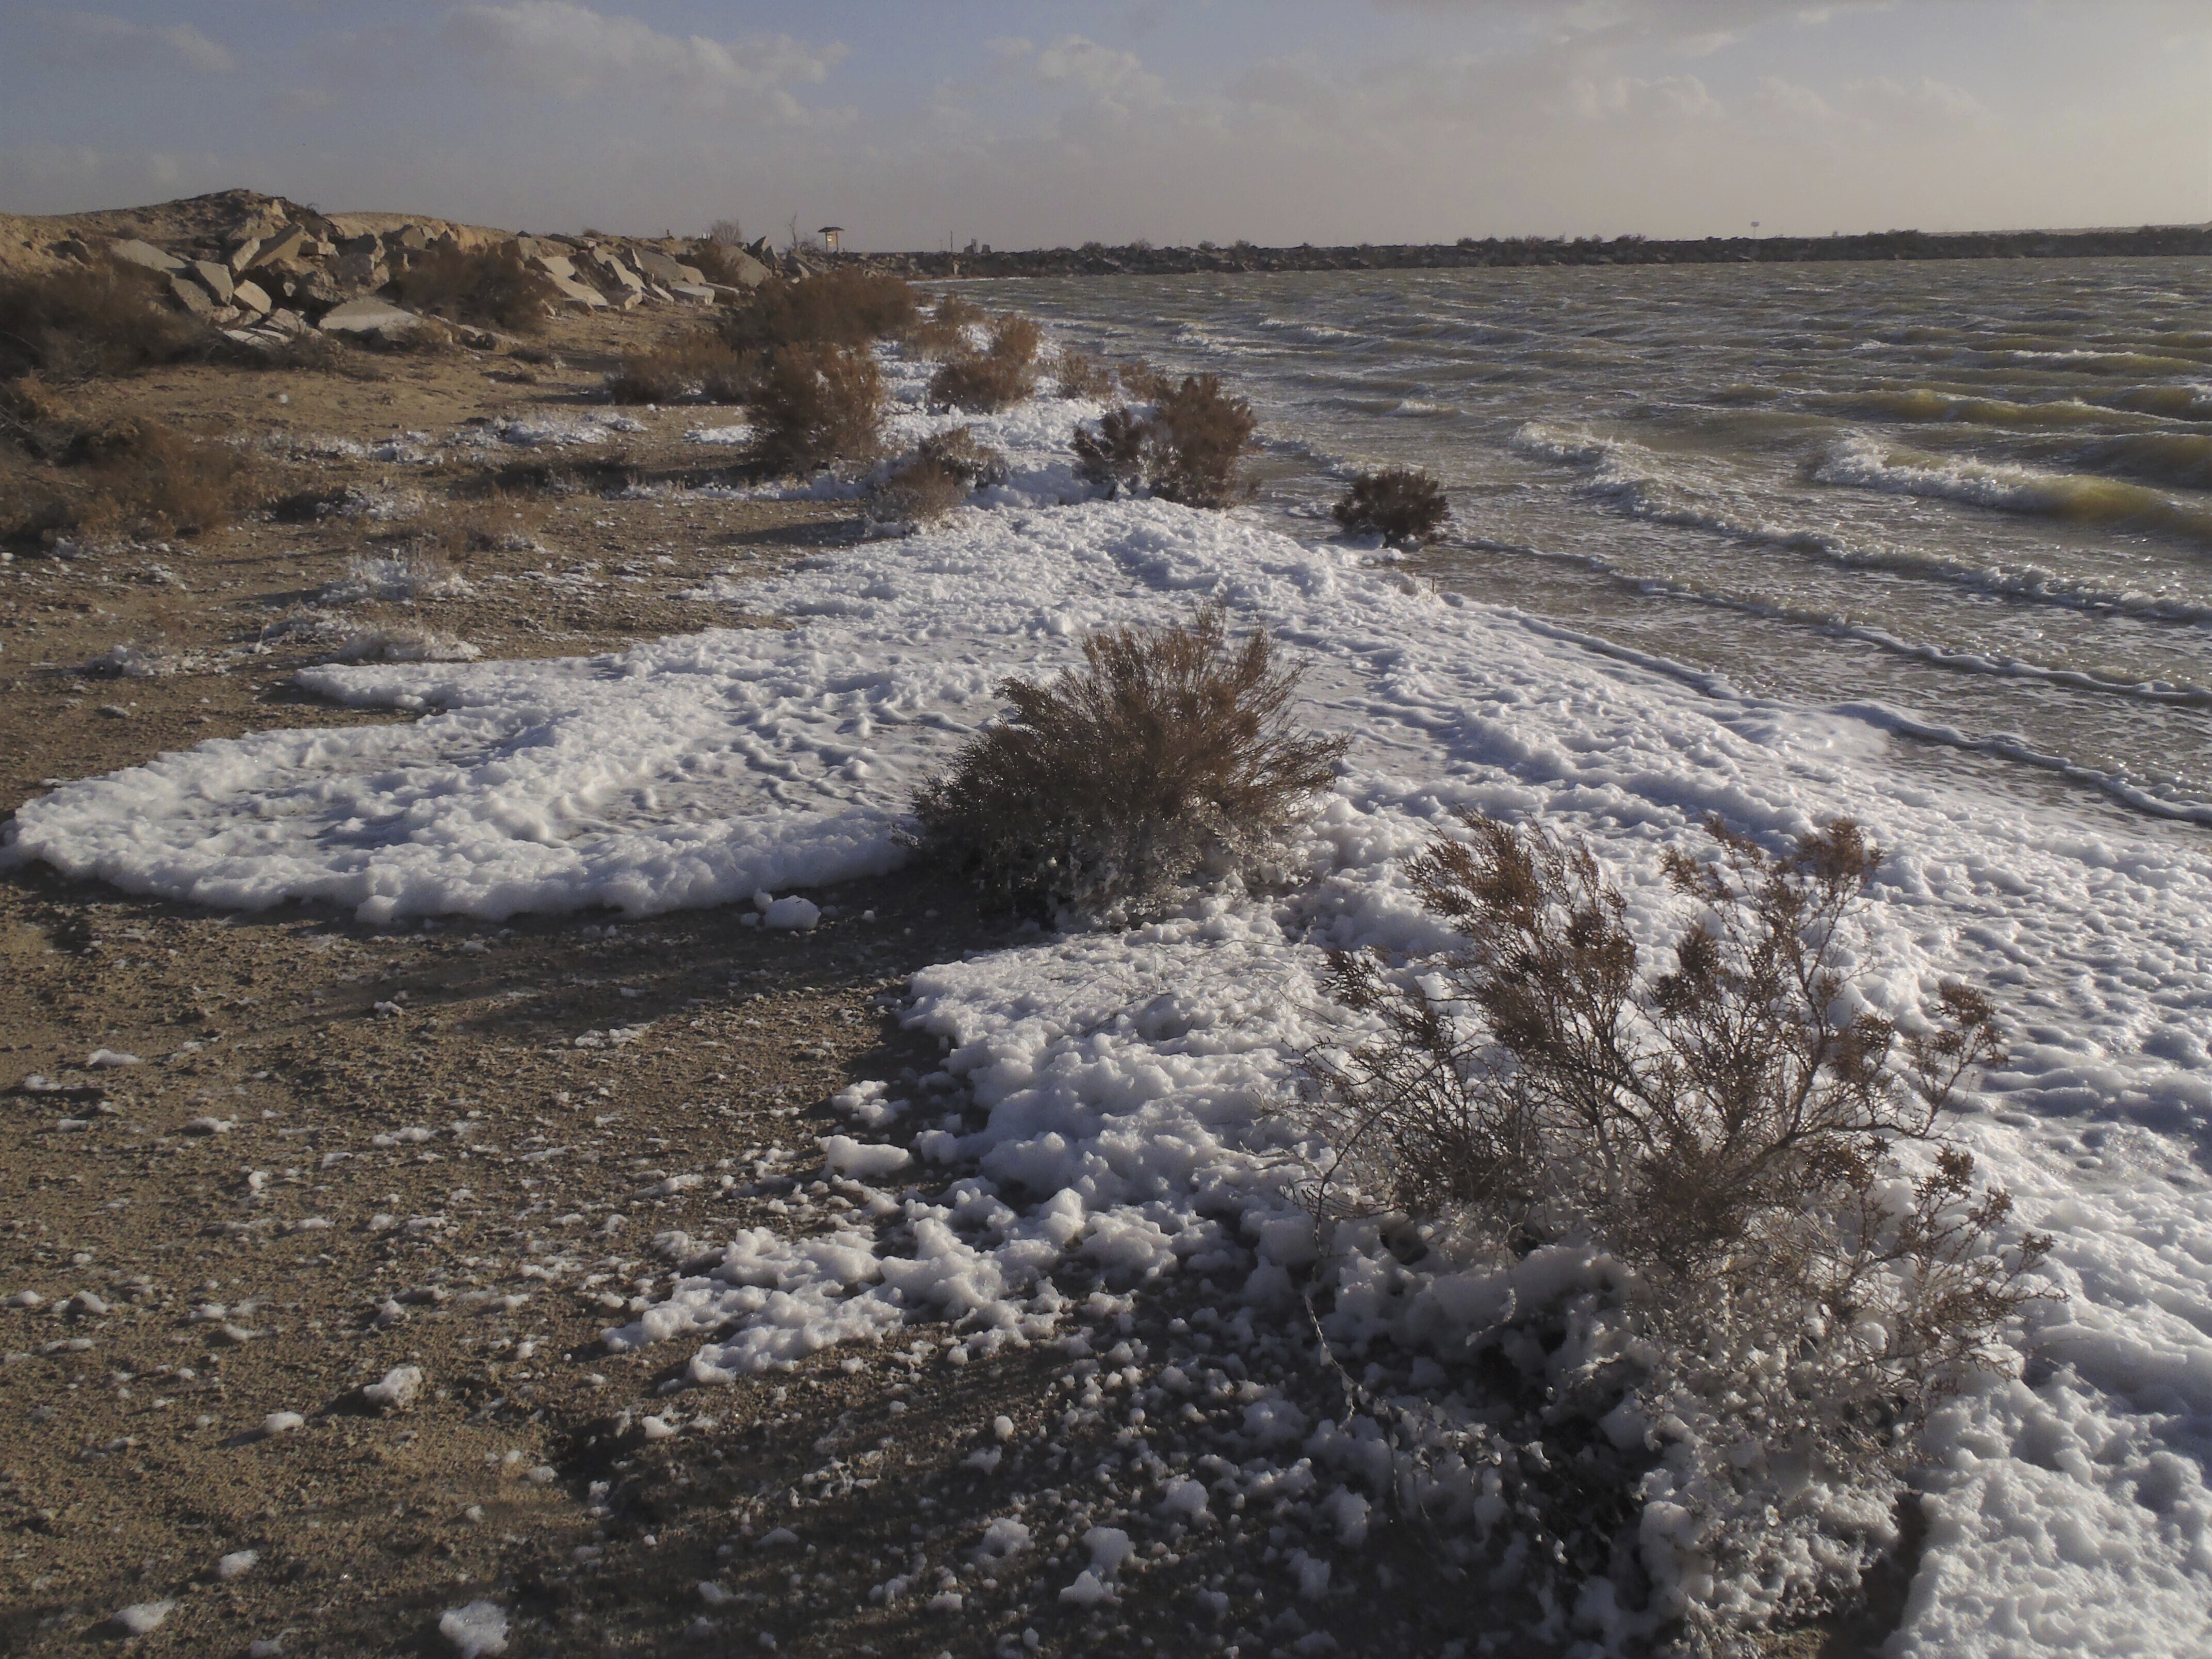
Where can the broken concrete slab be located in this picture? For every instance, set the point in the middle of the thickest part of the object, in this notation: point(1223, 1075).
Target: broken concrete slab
point(134, 252)
point(216, 278)
point(191, 296)
point(241, 255)
point(668, 271)
point(252, 296)
point(589, 299)
point(698, 293)
point(286, 244)
point(371, 318)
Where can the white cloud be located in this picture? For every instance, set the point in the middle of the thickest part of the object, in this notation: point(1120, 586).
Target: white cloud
point(1630, 97)
point(93, 39)
point(1926, 98)
point(1100, 70)
point(569, 50)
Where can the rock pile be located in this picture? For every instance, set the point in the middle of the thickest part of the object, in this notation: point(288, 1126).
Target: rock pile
point(283, 270)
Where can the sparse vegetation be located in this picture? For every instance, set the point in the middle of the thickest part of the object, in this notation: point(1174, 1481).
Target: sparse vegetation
point(134, 478)
point(947, 466)
point(76, 323)
point(1001, 375)
point(1078, 376)
point(1781, 1295)
point(947, 331)
point(1401, 504)
point(697, 365)
point(816, 406)
point(1186, 450)
point(491, 285)
point(722, 262)
point(843, 307)
point(1168, 751)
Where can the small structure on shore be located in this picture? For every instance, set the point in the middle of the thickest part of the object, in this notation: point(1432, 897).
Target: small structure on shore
point(829, 234)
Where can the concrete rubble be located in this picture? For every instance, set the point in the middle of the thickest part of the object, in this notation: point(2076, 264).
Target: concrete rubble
point(279, 270)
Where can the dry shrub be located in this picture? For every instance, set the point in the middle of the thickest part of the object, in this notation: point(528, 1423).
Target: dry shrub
point(134, 478)
point(1000, 375)
point(1186, 450)
point(489, 285)
point(1688, 1172)
point(947, 466)
point(1144, 383)
point(947, 331)
point(1401, 504)
point(1080, 377)
point(921, 492)
point(720, 262)
point(696, 366)
point(816, 406)
point(79, 322)
point(960, 451)
point(844, 308)
point(1167, 752)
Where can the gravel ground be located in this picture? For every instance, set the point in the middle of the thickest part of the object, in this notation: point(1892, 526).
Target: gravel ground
point(302, 1289)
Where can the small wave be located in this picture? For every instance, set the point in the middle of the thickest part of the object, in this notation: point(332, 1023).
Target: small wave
point(2184, 459)
point(1627, 477)
point(1859, 462)
point(2175, 403)
point(1924, 405)
point(2098, 362)
point(1421, 408)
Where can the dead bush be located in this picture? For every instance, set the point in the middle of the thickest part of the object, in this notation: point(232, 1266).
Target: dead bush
point(720, 262)
point(1000, 375)
point(947, 466)
point(1168, 751)
point(946, 333)
point(921, 492)
point(110, 319)
point(1186, 450)
point(489, 285)
point(134, 478)
point(1401, 504)
point(699, 366)
point(1082, 377)
point(843, 307)
point(816, 406)
point(1777, 1297)
point(1144, 383)
point(960, 453)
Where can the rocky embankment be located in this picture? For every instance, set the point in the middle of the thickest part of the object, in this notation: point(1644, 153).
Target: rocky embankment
point(1140, 258)
point(265, 270)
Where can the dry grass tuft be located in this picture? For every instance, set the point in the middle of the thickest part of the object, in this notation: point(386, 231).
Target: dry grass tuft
point(1189, 449)
point(1167, 752)
point(1401, 504)
point(697, 366)
point(134, 478)
point(76, 324)
point(1141, 383)
point(817, 405)
point(1787, 1297)
point(491, 285)
point(1000, 375)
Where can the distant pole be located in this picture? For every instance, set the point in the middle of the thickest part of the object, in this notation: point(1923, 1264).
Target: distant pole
point(1755, 226)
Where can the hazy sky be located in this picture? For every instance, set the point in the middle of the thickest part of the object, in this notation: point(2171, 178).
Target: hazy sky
point(1039, 124)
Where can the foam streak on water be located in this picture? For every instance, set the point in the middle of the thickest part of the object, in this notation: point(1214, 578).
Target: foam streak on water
point(1975, 495)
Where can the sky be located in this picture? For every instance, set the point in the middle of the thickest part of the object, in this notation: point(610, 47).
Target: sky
point(913, 123)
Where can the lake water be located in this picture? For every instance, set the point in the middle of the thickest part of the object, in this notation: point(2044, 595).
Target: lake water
point(1972, 501)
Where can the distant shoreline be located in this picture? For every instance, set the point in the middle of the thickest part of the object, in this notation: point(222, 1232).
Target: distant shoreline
point(1137, 259)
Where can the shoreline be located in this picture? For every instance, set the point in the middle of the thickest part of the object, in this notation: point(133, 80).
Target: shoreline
point(1522, 252)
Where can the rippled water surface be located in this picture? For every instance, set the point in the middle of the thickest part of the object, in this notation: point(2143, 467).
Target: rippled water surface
point(1972, 500)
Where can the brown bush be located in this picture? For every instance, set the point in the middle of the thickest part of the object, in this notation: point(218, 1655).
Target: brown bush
point(1401, 504)
point(1713, 1123)
point(136, 478)
point(76, 323)
point(946, 331)
point(696, 366)
point(1145, 384)
point(490, 285)
point(967, 458)
point(1086, 379)
point(816, 405)
point(722, 262)
point(843, 307)
point(1186, 450)
point(1167, 752)
point(1000, 375)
